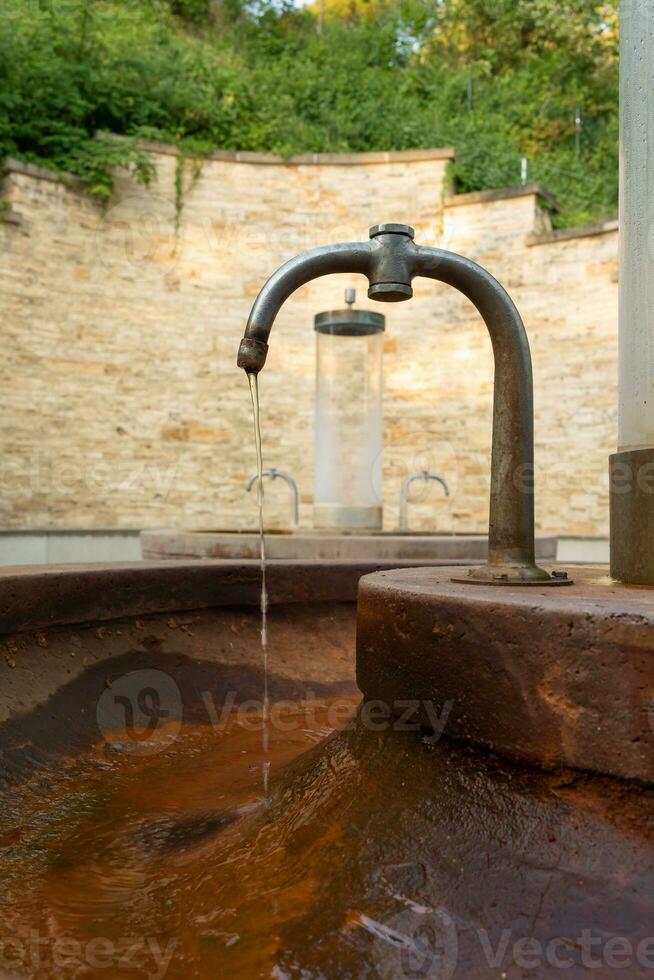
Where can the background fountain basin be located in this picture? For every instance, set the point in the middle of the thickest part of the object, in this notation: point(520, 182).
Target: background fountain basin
point(382, 546)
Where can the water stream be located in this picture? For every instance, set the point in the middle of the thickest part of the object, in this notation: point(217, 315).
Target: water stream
point(256, 417)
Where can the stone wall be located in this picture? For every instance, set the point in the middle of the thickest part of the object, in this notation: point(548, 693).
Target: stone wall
point(123, 407)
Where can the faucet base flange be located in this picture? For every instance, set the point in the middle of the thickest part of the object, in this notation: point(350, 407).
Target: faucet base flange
point(523, 575)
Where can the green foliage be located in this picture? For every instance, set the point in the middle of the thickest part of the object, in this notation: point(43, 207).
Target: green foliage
point(195, 11)
point(184, 179)
point(343, 76)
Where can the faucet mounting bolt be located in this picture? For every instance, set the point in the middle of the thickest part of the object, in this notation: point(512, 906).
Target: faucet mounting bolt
point(392, 229)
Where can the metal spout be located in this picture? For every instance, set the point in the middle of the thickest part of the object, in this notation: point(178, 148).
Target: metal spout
point(251, 355)
point(404, 492)
point(295, 500)
point(390, 261)
point(387, 261)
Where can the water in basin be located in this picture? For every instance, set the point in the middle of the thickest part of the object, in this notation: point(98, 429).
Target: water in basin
point(143, 864)
point(380, 854)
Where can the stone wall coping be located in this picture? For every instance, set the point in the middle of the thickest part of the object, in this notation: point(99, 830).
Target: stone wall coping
point(502, 194)
point(578, 231)
point(337, 159)
point(13, 166)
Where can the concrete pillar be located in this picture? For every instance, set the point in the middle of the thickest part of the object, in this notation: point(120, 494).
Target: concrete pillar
point(632, 467)
point(636, 408)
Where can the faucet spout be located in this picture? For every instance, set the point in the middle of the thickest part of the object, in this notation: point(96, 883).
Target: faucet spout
point(404, 493)
point(390, 261)
point(295, 499)
point(323, 261)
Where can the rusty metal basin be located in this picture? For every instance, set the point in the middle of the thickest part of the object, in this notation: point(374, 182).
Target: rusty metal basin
point(384, 851)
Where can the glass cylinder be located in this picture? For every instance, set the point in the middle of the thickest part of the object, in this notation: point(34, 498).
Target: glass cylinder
point(349, 420)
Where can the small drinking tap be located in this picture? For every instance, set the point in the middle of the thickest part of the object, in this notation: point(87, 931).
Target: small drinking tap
point(404, 492)
point(390, 261)
point(274, 474)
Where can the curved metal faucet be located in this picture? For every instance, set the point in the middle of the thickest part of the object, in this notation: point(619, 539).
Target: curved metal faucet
point(274, 474)
point(390, 261)
point(404, 492)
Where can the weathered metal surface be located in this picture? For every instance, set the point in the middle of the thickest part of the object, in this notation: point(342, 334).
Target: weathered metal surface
point(632, 516)
point(551, 676)
point(390, 261)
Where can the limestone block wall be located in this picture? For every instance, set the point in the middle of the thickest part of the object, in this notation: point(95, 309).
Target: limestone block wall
point(123, 407)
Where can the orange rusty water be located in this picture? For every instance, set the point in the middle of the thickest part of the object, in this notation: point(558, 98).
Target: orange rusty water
point(134, 866)
point(382, 855)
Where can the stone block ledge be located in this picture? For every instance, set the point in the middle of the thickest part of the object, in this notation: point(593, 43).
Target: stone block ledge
point(337, 159)
point(12, 166)
point(578, 231)
point(502, 194)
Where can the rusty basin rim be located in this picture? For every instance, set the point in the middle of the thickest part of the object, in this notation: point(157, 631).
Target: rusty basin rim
point(552, 677)
point(40, 596)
